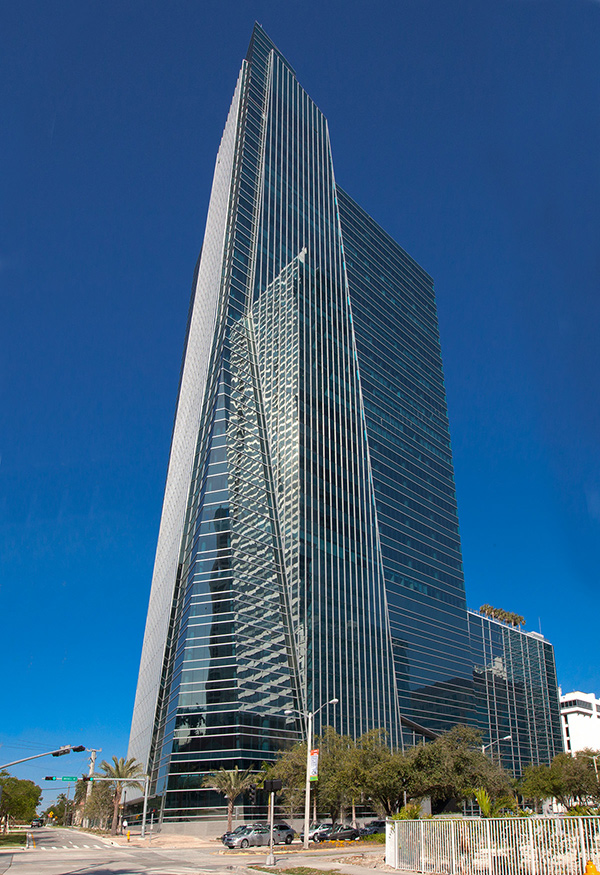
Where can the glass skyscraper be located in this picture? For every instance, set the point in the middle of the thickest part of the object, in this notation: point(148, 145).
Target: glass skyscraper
point(308, 545)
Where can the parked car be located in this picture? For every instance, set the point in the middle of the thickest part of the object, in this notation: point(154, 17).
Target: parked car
point(249, 835)
point(241, 828)
point(373, 827)
point(342, 833)
point(233, 832)
point(317, 832)
point(282, 832)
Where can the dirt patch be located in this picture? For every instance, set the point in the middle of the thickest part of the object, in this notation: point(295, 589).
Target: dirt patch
point(367, 861)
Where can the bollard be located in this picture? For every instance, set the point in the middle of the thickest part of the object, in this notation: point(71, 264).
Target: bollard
point(128, 834)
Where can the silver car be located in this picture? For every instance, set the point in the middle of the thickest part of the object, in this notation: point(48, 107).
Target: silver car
point(250, 835)
point(283, 832)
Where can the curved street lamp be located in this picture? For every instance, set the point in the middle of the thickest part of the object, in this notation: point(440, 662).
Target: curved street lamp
point(484, 747)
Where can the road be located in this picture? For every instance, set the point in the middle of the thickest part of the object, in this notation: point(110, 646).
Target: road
point(67, 852)
point(65, 840)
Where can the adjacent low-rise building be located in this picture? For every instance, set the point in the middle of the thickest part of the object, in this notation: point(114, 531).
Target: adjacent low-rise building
point(515, 692)
point(580, 721)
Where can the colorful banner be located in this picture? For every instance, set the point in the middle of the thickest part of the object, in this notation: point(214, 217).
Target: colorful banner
point(313, 771)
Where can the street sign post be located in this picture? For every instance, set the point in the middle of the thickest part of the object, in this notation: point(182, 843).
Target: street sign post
point(67, 778)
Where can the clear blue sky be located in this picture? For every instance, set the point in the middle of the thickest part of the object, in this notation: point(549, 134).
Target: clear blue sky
point(469, 130)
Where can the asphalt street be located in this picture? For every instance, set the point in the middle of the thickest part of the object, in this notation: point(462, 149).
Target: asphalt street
point(67, 852)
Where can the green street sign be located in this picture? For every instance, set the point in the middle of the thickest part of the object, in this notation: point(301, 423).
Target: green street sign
point(70, 778)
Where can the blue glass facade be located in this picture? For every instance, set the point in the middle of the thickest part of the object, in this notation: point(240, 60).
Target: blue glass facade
point(516, 693)
point(395, 323)
point(309, 545)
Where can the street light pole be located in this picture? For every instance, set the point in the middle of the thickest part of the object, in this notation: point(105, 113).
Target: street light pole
point(309, 731)
point(309, 728)
point(594, 759)
point(145, 811)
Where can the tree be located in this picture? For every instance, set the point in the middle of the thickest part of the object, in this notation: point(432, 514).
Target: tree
point(121, 768)
point(336, 785)
point(290, 769)
point(573, 779)
point(231, 784)
point(387, 773)
point(536, 784)
point(58, 809)
point(453, 765)
point(19, 799)
point(390, 780)
point(508, 617)
point(99, 807)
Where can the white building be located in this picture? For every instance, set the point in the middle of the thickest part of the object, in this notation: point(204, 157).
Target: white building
point(580, 721)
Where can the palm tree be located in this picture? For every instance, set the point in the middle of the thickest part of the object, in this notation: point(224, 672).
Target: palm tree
point(231, 784)
point(122, 768)
point(489, 808)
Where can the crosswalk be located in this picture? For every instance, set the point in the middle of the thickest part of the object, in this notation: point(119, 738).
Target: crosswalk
point(69, 847)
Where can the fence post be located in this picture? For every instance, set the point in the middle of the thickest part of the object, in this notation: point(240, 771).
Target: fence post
point(453, 846)
point(422, 846)
point(531, 847)
point(391, 844)
point(582, 840)
point(489, 844)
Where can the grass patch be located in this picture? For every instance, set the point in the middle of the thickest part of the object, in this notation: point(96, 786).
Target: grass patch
point(13, 840)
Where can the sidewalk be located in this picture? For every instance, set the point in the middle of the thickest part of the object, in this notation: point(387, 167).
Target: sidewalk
point(166, 841)
point(346, 863)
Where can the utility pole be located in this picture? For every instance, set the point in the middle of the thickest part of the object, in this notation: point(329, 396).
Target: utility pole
point(91, 770)
point(88, 792)
point(67, 805)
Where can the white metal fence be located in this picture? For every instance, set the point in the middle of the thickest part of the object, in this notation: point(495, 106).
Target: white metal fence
point(498, 846)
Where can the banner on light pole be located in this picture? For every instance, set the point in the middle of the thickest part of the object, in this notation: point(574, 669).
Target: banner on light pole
point(313, 772)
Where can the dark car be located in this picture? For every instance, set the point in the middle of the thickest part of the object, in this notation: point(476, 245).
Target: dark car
point(317, 831)
point(373, 827)
point(343, 834)
point(321, 833)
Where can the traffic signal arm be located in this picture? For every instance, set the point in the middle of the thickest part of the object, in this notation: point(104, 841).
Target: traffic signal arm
point(66, 748)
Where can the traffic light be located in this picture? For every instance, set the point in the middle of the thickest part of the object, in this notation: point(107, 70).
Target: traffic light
point(62, 751)
point(79, 748)
point(86, 778)
point(50, 778)
point(253, 794)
